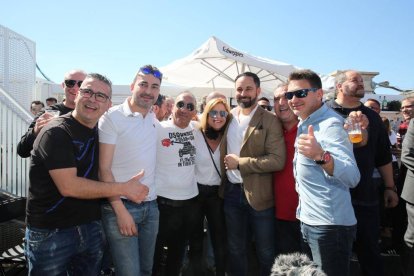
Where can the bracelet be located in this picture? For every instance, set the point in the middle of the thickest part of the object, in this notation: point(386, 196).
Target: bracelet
point(394, 188)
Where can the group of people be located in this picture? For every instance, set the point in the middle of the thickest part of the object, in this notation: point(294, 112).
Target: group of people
point(139, 179)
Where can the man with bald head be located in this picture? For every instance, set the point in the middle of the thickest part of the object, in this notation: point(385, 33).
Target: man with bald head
point(71, 83)
point(376, 153)
point(214, 95)
point(176, 183)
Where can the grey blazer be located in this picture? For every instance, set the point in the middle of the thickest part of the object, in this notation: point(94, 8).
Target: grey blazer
point(407, 157)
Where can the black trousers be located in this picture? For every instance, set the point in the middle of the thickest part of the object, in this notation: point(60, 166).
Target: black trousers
point(210, 207)
point(176, 225)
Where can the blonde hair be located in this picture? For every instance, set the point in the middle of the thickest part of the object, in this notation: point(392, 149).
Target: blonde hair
point(209, 106)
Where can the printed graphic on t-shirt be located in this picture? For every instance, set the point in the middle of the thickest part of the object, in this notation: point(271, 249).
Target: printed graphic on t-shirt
point(184, 142)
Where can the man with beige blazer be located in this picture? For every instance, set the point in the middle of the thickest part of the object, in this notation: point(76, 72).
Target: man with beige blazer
point(252, 150)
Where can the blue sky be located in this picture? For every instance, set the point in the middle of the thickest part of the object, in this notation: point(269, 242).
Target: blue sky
point(116, 37)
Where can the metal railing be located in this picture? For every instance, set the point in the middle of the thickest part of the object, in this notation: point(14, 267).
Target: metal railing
point(14, 121)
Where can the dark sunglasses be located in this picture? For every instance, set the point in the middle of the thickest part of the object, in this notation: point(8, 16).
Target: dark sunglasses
point(301, 93)
point(71, 83)
point(181, 104)
point(215, 113)
point(267, 107)
point(99, 96)
point(147, 71)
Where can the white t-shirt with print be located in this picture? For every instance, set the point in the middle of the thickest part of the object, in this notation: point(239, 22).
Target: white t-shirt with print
point(176, 154)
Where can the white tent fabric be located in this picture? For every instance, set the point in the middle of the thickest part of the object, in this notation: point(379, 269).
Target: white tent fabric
point(216, 64)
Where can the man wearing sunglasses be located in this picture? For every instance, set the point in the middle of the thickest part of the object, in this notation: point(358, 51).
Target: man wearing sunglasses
point(64, 235)
point(324, 169)
point(127, 142)
point(72, 81)
point(376, 153)
point(264, 103)
point(252, 149)
point(176, 184)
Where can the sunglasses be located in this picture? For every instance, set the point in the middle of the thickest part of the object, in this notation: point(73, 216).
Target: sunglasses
point(267, 107)
point(71, 83)
point(147, 71)
point(189, 106)
point(99, 96)
point(215, 113)
point(301, 93)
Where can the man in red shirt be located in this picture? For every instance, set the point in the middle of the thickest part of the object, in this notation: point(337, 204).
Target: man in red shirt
point(288, 235)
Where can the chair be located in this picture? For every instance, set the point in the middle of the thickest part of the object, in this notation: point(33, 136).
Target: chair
point(12, 228)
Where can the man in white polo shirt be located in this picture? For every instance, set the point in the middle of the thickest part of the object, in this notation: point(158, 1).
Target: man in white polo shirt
point(127, 139)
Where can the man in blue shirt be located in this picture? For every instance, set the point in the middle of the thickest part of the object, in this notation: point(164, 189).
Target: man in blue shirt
point(325, 169)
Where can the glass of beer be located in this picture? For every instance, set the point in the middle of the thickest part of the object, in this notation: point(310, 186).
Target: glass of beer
point(354, 130)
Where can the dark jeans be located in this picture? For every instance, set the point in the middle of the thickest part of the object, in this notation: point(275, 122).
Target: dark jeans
point(211, 207)
point(366, 244)
point(76, 250)
point(242, 219)
point(330, 247)
point(176, 224)
point(287, 236)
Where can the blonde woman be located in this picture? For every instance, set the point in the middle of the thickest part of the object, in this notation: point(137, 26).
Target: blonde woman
point(214, 120)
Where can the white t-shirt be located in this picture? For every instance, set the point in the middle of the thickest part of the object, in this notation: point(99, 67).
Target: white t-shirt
point(205, 171)
point(134, 138)
point(176, 154)
point(237, 130)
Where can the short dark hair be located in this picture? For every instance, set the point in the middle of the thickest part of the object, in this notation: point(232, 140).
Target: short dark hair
point(160, 100)
point(50, 99)
point(264, 99)
point(249, 74)
point(150, 67)
point(306, 74)
point(102, 78)
point(374, 100)
point(37, 103)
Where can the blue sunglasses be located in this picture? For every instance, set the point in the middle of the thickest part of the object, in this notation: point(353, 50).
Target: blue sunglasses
point(147, 71)
point(215, 113)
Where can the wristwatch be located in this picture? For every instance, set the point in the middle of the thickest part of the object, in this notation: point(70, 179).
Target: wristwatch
point(325, 158)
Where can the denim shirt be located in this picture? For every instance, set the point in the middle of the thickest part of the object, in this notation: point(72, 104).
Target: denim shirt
point(325, 199)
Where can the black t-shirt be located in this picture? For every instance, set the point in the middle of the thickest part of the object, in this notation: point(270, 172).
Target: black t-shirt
point(25, 144)
point(63, 143)
point(376, 153)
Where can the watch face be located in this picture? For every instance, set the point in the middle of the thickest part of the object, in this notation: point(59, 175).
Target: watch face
point(326, 157)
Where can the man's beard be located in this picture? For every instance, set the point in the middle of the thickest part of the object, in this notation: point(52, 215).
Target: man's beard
point(246, 104)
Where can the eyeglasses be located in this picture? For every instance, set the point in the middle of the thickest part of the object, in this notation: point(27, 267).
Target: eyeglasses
point(267, 107)
point(301, 93)
point(215, 113)
point(71, 83)
point(407, 106)
point(147, 71)
point(99, 96)
point(189, 106)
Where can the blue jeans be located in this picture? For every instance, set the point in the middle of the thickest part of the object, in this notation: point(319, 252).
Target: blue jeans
point(329, 246)
point(241, 220)
point(133, 255)
point(75, 250)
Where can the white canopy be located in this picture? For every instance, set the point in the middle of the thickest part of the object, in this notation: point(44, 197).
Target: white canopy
point(216, 64)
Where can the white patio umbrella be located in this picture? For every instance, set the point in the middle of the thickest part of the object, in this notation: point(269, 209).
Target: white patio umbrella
point(216, 64)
